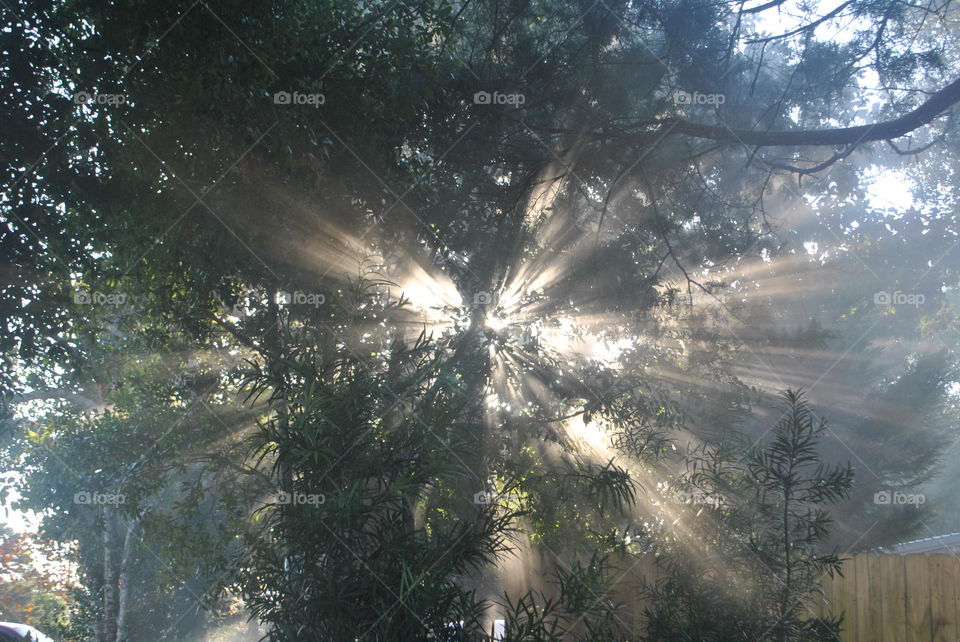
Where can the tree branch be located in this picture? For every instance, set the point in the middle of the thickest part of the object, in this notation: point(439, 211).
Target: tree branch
point(811, 25)
point(938, 103)
point(802, 171)
point(763, 7)
point(82, 402)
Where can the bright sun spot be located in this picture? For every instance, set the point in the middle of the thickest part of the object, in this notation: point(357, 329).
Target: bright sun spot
point(888, 189)
point(495, 322)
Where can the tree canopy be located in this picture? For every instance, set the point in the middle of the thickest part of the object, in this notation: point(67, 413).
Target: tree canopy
point(385, 320)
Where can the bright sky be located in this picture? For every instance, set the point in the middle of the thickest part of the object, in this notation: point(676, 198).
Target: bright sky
point(888, 188)
point(885, 188)
point(17, 520)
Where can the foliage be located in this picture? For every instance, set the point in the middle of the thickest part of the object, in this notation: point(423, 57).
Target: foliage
point(33, 591)
point(598, 211)
point(761, 516)
point(361, 559)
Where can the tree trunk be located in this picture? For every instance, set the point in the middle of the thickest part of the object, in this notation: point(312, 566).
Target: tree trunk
point(123, 583)
point(108, 628)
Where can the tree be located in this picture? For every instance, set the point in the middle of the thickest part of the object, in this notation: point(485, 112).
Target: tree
point(546, 205)
point(764, 506)
point(32, 589)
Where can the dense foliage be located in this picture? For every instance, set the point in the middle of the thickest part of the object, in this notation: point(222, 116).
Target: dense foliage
point(385, 320)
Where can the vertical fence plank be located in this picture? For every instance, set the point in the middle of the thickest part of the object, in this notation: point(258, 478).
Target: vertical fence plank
point(838, 597)
point(951, 589)
point(939, 603)
point(918, 598)
point(847, 601)
point(866, 627)
point(874, 597)
point(894, 598)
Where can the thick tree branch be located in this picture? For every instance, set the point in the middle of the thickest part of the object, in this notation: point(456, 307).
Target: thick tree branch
point(82, 402)
point(244, 340)
point(914, 152)
point(763, 7)
point(807, 27)
point(922, 115)
point(815, 168)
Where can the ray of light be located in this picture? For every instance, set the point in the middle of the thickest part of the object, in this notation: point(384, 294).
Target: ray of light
point(435, 301)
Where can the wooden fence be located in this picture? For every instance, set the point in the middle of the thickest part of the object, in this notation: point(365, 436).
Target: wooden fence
point(897, 598)
point(884, 598)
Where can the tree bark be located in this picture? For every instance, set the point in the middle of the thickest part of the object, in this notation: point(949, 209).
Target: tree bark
point(123, 583)
point(108, 628)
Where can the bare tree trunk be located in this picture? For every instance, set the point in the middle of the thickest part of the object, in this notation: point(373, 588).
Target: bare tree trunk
point(123, 582)
point(108, 630)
